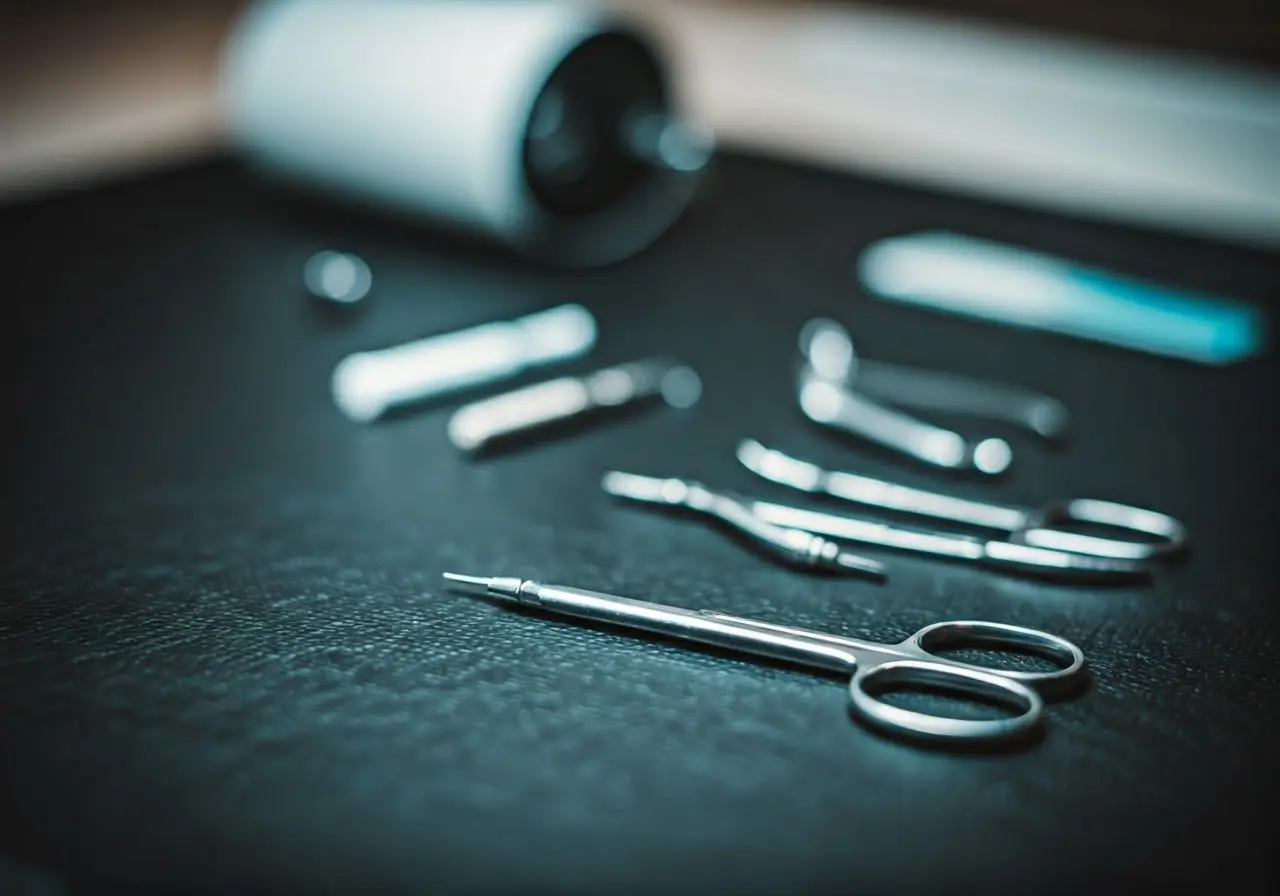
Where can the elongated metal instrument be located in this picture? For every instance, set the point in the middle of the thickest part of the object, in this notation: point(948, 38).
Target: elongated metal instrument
point(1035, 527)
point(875, 667)
point(792, 546)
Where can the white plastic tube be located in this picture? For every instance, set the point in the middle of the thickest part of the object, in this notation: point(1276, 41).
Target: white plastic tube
point(424, 105)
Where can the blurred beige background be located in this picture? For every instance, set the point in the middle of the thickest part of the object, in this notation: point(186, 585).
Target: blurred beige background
point(92, 89)
point(1162, 111)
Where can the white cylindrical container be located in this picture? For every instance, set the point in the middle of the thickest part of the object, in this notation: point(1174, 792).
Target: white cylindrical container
point(543, 124)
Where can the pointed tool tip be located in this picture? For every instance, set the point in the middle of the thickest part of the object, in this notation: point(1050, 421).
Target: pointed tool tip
point(861, 564)
point(478, 581)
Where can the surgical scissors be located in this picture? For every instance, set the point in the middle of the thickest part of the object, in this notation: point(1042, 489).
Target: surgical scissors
point(1026, 526)
point(876, 667)
point(796, 534)
point(836, 390)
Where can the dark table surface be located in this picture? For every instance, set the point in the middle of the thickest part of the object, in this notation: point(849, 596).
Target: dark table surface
point(226, 658)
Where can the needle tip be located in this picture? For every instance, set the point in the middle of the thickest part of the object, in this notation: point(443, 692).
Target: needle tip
point(478, 581)
point(500, 586)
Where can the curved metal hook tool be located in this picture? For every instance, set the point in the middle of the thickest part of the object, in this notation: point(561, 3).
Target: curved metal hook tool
point(837, 389)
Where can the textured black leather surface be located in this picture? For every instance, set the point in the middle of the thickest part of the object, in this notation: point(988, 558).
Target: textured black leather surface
point(226, 658)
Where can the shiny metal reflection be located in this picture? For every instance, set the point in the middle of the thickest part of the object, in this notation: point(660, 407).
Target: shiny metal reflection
point(1031, 527)
point(367, 385)
point(1004, 555)
point(483, 423)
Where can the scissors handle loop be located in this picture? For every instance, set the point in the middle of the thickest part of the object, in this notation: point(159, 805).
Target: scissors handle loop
point(1042, 530)
point(916, 664)
point(869, 683)
point(1010, 638)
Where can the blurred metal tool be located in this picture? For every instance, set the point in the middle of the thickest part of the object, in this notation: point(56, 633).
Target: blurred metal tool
point(1007, 556)
point(337, 277)
point(368, 384)
point(875, 667)
point(478, 425)
point(837, 389)
point(1034, 528)
point(793, 546)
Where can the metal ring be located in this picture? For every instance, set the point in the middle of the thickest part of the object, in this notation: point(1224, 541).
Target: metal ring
point(952, 679)
point(1066, 655)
